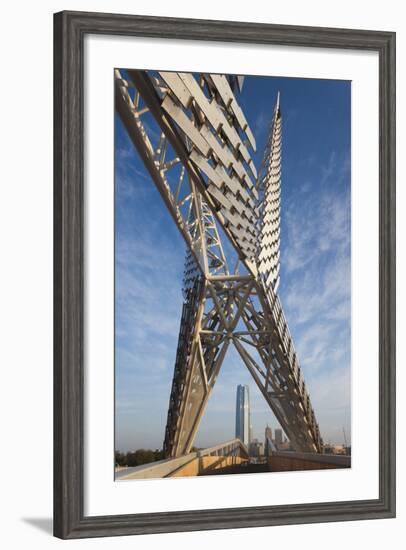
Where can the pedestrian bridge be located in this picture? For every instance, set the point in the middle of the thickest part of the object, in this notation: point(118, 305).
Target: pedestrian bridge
point(232, 457)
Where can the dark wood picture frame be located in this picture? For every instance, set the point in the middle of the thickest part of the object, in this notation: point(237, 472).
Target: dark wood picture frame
point(69, 31)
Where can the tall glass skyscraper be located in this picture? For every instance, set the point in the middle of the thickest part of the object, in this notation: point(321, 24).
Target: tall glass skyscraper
point(243, 415)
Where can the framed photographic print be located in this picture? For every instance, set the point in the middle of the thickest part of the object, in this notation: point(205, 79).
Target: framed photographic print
point(224, 275)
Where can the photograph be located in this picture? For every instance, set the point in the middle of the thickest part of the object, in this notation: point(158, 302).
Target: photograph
point(232, 231)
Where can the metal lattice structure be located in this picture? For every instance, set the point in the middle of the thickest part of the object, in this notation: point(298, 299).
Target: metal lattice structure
point(200, 161)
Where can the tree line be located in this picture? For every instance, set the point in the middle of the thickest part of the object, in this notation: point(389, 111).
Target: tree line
point(138, 457)
point(141, 456)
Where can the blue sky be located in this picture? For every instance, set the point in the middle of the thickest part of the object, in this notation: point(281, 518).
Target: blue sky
point(315, 287)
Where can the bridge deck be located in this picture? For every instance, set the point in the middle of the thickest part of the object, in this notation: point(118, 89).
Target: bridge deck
point(232, 458)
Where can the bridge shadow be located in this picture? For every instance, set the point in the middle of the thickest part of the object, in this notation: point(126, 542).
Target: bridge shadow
point(209, 469)
point(242, 468)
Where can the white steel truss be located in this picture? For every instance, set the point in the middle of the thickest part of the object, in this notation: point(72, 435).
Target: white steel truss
point(200, 162)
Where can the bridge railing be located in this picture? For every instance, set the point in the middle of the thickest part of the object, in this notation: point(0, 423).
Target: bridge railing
point(226, 449)
point(218, 457)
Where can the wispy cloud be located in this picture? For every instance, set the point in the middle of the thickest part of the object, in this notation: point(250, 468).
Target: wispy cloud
point(329, 169)
point(148, 301)
point(316, 289)
point(262, 122)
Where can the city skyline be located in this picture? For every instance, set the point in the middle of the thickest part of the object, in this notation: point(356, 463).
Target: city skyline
point(315, 247)
point(242, 420)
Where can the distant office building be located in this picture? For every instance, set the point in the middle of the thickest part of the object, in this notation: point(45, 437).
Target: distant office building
point(285, 446)
point(278, 437)
point(336, 450)
point(256, 448)
point(269, 446)
point(242, 416)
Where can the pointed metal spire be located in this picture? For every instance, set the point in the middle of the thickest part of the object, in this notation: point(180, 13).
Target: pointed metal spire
point(277, 101)
point(269, 188)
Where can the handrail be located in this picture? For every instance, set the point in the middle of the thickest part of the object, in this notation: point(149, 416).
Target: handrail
point(166, 467)
point(233, 443)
